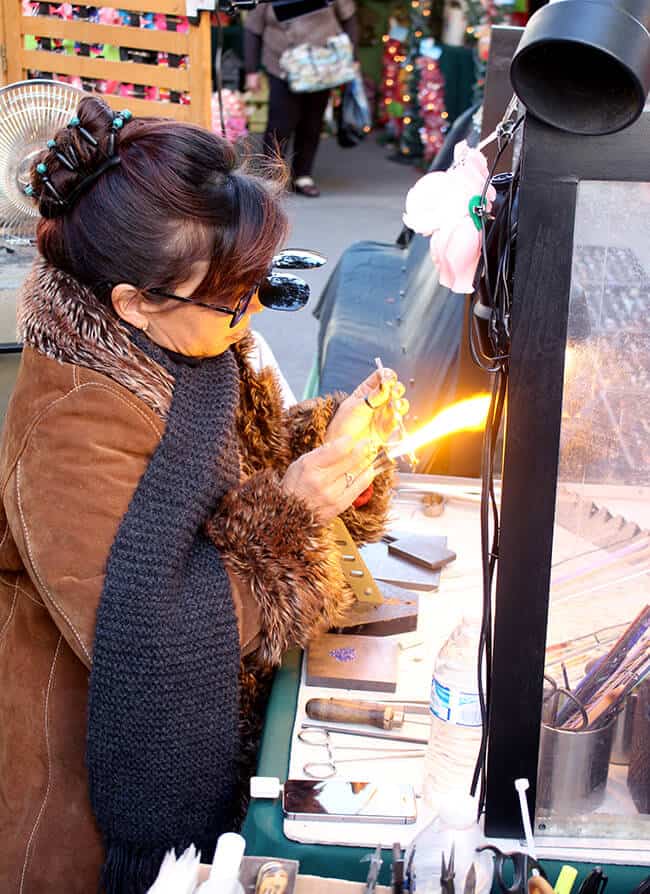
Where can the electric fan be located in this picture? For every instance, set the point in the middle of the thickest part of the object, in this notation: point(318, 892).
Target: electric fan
point(30, 114)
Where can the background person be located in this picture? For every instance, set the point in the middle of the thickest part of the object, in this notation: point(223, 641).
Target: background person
point(297, 115)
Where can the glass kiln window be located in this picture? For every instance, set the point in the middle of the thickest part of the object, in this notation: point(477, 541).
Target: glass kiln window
point(594, 775)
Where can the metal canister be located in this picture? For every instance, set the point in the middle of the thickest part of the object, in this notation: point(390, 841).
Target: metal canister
point(622, 744)
point(573, 768)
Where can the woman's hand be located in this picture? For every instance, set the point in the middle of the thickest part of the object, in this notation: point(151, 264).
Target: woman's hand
point(254, 81)
point(331, 477)
point(372, 412)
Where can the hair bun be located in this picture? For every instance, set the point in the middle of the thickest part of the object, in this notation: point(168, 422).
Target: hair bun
point(77, 153)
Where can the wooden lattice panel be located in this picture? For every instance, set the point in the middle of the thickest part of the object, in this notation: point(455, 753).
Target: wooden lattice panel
point(191, 81)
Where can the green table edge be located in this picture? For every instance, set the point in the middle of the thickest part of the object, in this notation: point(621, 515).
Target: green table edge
point(263, 827)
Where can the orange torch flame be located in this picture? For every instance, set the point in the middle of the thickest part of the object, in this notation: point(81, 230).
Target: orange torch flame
point(465, 415)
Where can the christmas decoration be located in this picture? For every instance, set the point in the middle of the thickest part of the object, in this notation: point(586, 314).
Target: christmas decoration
point(481, 15)
point(411, 106)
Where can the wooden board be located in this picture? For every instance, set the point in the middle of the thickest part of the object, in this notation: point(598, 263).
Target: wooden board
point(397, 613)
point(352, 662)
point(393, 570)
point(425, 550)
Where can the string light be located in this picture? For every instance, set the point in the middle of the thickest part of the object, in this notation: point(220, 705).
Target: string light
point(389, 82)
point(407, 120)
point(409, 68)
point(385, 38)
point(406, 97)
point(444, 114)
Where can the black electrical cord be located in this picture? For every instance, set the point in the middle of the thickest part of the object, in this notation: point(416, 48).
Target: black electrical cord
point(499, 302)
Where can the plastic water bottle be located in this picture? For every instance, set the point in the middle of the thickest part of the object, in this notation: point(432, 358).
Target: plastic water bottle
point(456, 726)
point(454, 827)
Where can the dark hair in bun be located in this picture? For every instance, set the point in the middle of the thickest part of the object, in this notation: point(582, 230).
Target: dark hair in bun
point(177, 196)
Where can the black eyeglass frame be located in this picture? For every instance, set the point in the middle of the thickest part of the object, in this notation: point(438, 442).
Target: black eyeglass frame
point(285, 292)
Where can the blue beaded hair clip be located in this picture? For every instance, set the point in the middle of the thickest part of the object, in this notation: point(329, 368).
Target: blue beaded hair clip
point(71, 162)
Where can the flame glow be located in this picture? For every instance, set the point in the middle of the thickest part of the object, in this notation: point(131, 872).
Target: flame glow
point(465, 415)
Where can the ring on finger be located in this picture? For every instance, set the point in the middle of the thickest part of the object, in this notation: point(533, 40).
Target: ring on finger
point(349, 479)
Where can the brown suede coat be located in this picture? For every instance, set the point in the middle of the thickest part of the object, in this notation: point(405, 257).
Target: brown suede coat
point(86, 415)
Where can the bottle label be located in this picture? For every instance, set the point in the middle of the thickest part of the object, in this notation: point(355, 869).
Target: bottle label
point(455, 706)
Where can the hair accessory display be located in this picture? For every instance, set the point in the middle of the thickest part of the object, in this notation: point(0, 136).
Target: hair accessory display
point(41, 169)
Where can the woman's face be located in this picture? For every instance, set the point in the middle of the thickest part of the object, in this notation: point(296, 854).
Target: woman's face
point(188, 329)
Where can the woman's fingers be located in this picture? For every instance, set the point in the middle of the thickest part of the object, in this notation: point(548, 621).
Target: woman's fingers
point(344, 455)
point(363, 480)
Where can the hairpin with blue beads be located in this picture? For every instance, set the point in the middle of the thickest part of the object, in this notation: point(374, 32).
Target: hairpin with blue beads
point(71, 162)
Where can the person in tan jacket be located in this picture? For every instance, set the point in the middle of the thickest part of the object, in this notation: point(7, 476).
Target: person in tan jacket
point(154, 243)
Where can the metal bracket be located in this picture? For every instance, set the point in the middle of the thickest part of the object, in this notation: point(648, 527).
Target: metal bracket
point(354, 568)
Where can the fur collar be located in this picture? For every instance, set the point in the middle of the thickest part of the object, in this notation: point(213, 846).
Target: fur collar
point(63, 319)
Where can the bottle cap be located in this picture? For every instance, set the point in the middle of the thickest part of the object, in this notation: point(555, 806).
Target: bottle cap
point(228, 856)
point(265, 787)
point(459, 811)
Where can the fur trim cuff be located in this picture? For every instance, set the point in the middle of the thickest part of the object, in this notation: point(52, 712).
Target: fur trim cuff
point(273, 541)
point(307, 422)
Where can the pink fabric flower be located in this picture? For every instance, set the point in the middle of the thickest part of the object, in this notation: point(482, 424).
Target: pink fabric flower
point(439, 206)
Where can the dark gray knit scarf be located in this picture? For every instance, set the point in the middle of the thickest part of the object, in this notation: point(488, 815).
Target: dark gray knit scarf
point(163, 706)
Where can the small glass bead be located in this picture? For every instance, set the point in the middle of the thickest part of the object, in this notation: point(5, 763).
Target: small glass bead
point(74, 122)
point(118, 123)
point(51, 144)
point(126, 114)
point(41, 168)
point(29, 190)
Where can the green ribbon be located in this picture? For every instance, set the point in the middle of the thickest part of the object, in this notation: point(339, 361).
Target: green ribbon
point(475, 203)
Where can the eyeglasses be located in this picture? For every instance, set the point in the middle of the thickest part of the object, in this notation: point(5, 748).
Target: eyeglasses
point(277, 291)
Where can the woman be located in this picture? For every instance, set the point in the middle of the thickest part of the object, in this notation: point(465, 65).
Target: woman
point(164, 526)
point(297, 115)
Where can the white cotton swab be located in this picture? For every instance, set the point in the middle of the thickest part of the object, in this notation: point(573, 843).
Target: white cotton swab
point(522, 786)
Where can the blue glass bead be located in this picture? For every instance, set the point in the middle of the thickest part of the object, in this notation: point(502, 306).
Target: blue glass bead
point(74, 122)
point(41, 168)
point(29, 191)
point(126, 114)
point(51, 144)
point(118, 123)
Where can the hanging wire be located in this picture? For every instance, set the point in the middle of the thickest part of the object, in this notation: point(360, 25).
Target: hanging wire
point(498, 300)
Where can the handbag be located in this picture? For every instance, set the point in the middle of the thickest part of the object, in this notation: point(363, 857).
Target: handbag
point(353, 114)
point(312, 68)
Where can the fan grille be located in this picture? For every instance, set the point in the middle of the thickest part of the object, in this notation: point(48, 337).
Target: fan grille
point(30, 114)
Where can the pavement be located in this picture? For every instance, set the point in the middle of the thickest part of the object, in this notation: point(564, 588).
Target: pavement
point(362, 198)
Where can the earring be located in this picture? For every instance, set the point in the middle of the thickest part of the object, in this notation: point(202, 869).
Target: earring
point(145, 327)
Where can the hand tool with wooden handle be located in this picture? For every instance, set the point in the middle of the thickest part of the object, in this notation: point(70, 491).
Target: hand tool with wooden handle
point(338, 710)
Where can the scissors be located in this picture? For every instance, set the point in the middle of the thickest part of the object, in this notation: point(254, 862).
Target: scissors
point(522, 866)
point(326, 769)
